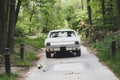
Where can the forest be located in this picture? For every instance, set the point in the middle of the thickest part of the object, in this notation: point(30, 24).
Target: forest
point(96, 21)
point(31, 17)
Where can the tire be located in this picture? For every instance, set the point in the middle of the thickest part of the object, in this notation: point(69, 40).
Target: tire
point(48, 55)
point(78, 52)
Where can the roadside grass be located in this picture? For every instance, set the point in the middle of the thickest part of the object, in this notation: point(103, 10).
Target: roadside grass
point(8, 77)
point(36, 42)
point(32, 47)
point(29, 57)
point(104, 53)
point(1, 57)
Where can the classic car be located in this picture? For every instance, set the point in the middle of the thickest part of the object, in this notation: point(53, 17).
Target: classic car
point(62, 41)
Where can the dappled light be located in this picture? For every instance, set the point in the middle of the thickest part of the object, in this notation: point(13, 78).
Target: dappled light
point(28, 22)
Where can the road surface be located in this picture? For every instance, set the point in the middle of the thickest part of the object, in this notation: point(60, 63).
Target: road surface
point(86, 67)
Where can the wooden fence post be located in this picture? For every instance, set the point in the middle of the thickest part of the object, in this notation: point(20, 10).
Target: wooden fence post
point(7, 61)
point(113, 48)
point(22, 51)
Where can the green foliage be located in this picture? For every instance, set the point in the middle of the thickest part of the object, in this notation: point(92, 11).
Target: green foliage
point(19, 40)
point(36, 42)
point(103, 48)
point(29, 57)
point(8, 77)
point(23, 63)
point(40, 16)
point(74, 14)
point(51, 16)
point(45, 15)
point(109, 19)
point(19, 32)
point(0, 56)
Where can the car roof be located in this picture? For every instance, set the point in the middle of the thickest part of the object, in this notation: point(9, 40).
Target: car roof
point(61, 30)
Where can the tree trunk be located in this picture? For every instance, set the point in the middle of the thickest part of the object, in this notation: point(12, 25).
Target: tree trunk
point(89, 12)
point(103, 7)
point(11, 25)
point(103, 10)
point(3, 27)
point(17, 11)
point(31, 16)
point(30, 28)
point(82, 4)
point(118, 7)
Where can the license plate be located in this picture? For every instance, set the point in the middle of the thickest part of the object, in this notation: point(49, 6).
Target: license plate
point(63, 49)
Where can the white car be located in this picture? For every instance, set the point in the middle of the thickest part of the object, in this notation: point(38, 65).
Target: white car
point(62, 41)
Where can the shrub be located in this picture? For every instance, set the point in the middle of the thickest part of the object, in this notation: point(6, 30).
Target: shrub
point(104, 52)
point(8, 77)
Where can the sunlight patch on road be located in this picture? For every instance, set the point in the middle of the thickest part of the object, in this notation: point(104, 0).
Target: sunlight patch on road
point(68, 67)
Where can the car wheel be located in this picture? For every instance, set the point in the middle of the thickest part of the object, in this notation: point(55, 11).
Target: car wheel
point(78, 52)
point(48, 55)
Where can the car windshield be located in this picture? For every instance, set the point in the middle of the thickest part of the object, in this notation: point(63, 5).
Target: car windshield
point(62, 34)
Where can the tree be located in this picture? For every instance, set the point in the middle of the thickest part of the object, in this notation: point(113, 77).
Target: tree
point(8, 20)
point(82, 4)
point(118, 9)
point(17, 10)
point(103, 8)
point(89, 12)
point(51, 17)
point(3, 27)
point(11, 26)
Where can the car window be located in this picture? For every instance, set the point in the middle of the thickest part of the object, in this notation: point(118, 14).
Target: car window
point(54, 34)
point(62, 34)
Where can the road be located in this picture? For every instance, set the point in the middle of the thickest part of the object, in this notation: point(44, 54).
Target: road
point(86, 67)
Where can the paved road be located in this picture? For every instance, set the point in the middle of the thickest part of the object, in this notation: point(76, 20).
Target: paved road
point(86, 67)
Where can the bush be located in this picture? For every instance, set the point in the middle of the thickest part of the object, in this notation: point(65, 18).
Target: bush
point(19, 32)
point(8, 77)
point(103, 48)
point(32, 43)
point(37, 42)
point(29, 57)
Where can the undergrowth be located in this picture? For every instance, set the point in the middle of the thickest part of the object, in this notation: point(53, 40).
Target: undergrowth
point(29, 57)
point(104, 53)
point(8, 77)
point(37, 42)
point(31, 45)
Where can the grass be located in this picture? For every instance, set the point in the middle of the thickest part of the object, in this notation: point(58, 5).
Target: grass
point(36, 42)
point(30, 54)
point(29, 57)
point(103, 48)
point(1, 57)
point(8, 77)
point(23, 63)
